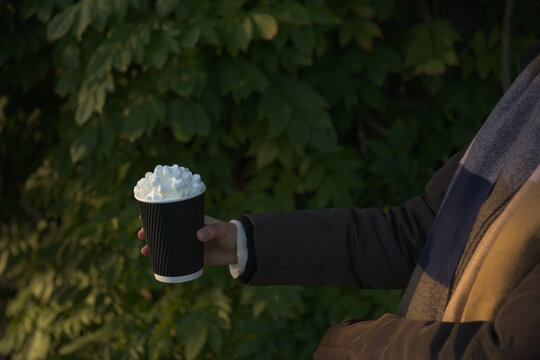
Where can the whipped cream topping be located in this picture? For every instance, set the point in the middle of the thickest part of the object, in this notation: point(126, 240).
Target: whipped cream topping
point(168, 183)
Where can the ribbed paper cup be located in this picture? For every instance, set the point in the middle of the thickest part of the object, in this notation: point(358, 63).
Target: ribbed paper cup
point(170, 227)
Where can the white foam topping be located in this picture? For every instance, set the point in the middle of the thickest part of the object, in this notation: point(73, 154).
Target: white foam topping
point(168, 183)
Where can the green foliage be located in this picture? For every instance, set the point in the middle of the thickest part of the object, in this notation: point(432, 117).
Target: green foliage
point(278, 105)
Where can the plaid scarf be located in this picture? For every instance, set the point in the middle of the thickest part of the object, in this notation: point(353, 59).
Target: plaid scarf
point(500, 159)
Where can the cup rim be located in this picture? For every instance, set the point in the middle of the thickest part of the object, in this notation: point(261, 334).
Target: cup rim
point(178, 279)
point(165, 201)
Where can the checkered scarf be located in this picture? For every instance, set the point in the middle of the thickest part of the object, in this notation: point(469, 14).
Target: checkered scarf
point(499, 160)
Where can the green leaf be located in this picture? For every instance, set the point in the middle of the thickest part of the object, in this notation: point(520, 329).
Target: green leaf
point(292, 13)
point(323, 15)
point(419, 48)
point(244, 33)
point(163, 7)
point(247, 348)
point(122, 59)
point(44, 12)
point(184, 79)
point(39, 345)
point(139, 38)
point(390, 58)
point(101, 60)
point(241, 79)
point(155, 108)
point(366, 30)
point(430, 51)
point(303, 38)
point(301, 94)
point(3, 261)
point(215, 339)
point(299, 134)
point(383, 8)
point(363, 9)
point(85, 107)
point(169, 36)
point(371, 95)
point(266, 25)
point(377, 73)
point(120, 6)
point(273, 106)
point(254, 75)
point(158, 53)
point(135, 122)
point(208, 33)
point(361, 30)
point(431, 67)
point(195, 341)
point(85, 18)
point(85, 144)
point(201, 119)
point(346, 33)
point(107, 136)
point(77, 344)
point(324, 139)
point(190, 38)
point(182, 119)
point(67, 83)
point(61, 23)
point(318, 118)
point(292, 59)
point(266, 154)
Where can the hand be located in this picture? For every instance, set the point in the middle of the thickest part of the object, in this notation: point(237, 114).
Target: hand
point(219, 240)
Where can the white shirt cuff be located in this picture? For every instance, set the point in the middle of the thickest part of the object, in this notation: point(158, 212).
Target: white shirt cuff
point(241, 250)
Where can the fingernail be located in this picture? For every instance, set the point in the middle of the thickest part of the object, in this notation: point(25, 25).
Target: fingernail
point(203, 234)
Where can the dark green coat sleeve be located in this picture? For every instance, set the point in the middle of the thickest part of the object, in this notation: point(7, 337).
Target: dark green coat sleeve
point(512, 335)
point(369, 247)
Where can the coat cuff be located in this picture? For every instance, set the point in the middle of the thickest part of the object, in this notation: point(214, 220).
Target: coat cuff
point(241, 251)
point(251, 262)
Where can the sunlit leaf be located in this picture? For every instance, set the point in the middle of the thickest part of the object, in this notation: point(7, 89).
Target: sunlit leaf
point(266, 25)
point(195, 341)
point(85, 18)
point(85, 144)
point(61, 23)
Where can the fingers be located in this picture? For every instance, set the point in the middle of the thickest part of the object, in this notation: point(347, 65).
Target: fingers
point(212, 231)
point(141, 234)
point(208, 220)
point(145, 251)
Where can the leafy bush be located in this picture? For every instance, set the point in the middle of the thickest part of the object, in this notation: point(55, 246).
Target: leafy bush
point(278, 105)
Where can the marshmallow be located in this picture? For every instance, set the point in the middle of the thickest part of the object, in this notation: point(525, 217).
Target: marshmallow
point(177, 185)
point(168, 183)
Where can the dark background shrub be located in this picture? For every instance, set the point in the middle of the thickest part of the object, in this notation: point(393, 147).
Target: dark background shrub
point(278, 105)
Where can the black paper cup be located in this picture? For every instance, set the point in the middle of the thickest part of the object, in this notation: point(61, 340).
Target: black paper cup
point(170, 227)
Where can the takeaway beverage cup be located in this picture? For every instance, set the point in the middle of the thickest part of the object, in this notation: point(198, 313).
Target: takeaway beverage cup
point(170, 227)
